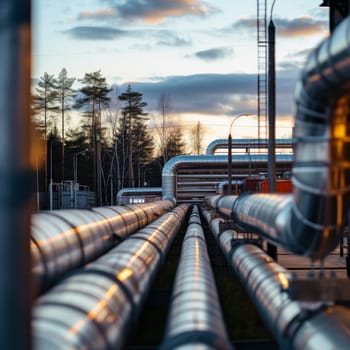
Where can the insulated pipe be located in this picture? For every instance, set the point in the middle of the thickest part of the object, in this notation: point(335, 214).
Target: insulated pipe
point(204, 161)
point(310, 223)
point(96, 306)
point(295, 325)
point(245, 143)
point(195, 318)
point(137, 190)
point(62, 240)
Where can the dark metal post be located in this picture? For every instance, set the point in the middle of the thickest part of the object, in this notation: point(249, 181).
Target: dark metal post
point(229, 166)
point(16, 180)
point(271, 249)
point(272, 109)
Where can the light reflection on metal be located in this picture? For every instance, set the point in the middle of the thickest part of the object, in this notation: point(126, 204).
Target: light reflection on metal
point(310, 222)
point(65, 239)
point(95, 307)
point(195, 307)
point(247, 144)
point(295, 325)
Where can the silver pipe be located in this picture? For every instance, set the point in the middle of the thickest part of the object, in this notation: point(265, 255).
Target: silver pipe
point(171, 168)
point(96, 306)
point(62, 240)
point(17, 162)
point(310, 222)
point(195, 318)
point(245, 143)
point(136, 190)
point(295, 325)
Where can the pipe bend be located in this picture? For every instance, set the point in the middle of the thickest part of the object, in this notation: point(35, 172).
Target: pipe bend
point(311, 221)
point(321, 172)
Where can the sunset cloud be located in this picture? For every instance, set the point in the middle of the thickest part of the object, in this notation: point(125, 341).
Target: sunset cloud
point(299, 27)
point(150, 11)
point(217, 94)
point(296, 27)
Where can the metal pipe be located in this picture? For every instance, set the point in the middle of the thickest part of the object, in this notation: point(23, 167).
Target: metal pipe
point(62, 240)
point(17, 162)
point(295, 325)
point(195, 318)
point(96, 306)
point(310, 222)
point(137, 190)
point(246, 143)
point(171, 167)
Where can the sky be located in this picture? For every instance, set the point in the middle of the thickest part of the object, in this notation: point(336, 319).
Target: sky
point(201, 53)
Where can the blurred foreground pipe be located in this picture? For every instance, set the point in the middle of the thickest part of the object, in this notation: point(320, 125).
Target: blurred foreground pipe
point(195, 318)
point(62, 240)
point(295, 325)
point(15, 178)
point(96, 307)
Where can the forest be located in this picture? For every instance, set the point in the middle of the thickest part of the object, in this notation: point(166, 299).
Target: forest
point(113, 141)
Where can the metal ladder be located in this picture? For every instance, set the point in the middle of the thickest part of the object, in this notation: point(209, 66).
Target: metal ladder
point(262, 67)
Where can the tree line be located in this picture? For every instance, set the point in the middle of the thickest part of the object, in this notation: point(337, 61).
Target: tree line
point(117, 143)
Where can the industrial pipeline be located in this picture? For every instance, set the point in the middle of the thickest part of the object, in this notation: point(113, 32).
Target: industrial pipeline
point(62, 240)
point(248, 145)
point(195, 318)
point(310, 222)
point(95, 306)
point(295, 325)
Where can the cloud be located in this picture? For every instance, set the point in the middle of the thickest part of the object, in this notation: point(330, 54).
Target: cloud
point(95, 33)
point(245, 23)
point(173, 40)
point(296, 27)
point(99, 14)
point(214, 54)
point(150, 11)
point(216, 94)
point(299, 27)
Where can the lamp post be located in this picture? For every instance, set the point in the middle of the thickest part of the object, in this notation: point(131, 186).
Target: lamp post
point(75, 174)
point(229, 160)
point(51, 182)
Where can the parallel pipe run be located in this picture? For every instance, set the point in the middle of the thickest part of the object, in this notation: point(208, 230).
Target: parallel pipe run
point(295, 325)
point(246, 143)
point(195, 318)
point(62, 240)
point(310, 223)
point(95, 307)
point(208, 161)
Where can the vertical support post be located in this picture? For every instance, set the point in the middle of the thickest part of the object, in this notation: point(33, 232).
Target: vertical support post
point(229, 162)
point(271, 249)
point(98, 171)
point(16, 169)
point(272, 109)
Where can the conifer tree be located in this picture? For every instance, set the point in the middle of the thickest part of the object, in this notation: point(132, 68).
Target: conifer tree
point(95, 97)
point(132, 134)
point(64, 97)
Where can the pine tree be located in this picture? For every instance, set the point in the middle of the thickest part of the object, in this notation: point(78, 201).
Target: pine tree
point(64, 96)
point(133, 117)
point(95, 97)
point(44, 103)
